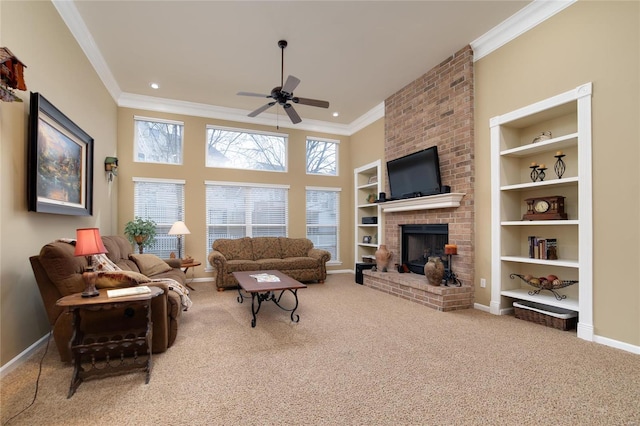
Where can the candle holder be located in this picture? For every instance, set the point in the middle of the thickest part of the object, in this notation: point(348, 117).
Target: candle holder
point(559, 167)
point(534, 173)
point(449, 276)
point(541, 174)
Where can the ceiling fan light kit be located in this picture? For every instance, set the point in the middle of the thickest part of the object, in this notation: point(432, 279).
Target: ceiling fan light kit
point(283, 94)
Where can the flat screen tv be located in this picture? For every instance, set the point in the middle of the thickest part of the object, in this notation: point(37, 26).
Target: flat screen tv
point(415, 175)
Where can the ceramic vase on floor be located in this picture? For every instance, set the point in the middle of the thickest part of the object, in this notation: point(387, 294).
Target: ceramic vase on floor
point(434, 270)
point(383, 256)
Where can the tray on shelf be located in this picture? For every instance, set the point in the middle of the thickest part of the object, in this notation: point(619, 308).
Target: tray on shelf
point(552, 286)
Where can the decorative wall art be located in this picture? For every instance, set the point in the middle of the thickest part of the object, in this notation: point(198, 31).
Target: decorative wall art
point(60, 162)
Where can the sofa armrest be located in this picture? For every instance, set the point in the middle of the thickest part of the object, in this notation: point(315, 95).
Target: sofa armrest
point(219, 264)
point(319, 254)
point(174, 263)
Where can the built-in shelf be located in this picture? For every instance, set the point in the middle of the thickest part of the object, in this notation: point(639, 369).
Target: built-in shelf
point(545, 297)
point(368, 184)
point(520, 259)
point(439, 201)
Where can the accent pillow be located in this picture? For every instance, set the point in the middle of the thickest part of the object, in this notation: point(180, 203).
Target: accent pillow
point(150, 264)
point(120, 279)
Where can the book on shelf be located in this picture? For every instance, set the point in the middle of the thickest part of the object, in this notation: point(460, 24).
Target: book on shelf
point(543, 248)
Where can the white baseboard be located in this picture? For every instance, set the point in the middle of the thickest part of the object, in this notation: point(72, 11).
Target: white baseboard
point(617, 344)
point(595, 338)
point(23, 356)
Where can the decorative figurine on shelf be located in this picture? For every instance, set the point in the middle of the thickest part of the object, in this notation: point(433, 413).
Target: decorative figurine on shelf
point(541, 174)
point(534, 171)
point(559, 167)
point(542, 137)
point(371, 198)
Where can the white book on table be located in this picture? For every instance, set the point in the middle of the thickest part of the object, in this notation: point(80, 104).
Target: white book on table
point(129, 291)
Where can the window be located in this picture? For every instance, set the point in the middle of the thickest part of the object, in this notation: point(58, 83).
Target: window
point(323, 218)
point(162, 201)
point(246, 149)
point(158, 141)
point(322, 157)
point(236, 210)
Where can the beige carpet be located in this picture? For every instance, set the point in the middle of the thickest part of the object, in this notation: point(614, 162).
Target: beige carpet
point(357, 357)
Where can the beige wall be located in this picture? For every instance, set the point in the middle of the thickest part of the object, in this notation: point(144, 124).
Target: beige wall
point(589, 41)
point(58, 69)
point(194, 172)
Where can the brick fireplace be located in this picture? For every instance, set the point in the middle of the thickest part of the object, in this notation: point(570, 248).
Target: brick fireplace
point(435, 109)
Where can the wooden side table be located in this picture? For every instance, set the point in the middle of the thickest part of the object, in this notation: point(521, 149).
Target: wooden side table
point(107, 344)
point(186, 266)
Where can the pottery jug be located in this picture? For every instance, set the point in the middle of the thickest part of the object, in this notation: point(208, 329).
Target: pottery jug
point(434, 270)
point(382, 258)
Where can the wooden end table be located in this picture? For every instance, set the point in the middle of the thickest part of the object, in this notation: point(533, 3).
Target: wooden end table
point(108, 345)
point(186, 266)
point(261, 291)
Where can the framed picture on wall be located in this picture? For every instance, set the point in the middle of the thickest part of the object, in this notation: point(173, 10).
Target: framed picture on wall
point(60, 162)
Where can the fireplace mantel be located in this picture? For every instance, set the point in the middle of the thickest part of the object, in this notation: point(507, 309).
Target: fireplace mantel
point(440, 201)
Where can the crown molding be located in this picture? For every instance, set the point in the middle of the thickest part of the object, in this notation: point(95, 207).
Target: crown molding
point(71, 17)
point(374, 114)
point(151, 103)
point(533, 14)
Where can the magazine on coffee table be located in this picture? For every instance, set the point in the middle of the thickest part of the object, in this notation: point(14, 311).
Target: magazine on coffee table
point(265, 278)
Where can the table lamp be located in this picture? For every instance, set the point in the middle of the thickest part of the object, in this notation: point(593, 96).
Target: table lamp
point(179, 229)
point(88, 243)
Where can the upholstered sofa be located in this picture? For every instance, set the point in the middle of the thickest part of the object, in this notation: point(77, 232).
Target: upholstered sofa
point(295, 257)
point(58, 273)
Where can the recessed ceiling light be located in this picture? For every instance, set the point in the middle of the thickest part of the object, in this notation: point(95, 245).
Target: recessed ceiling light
point(335, 114)
point(154, 85)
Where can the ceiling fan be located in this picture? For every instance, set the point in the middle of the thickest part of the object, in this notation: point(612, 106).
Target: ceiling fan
point(283, 94)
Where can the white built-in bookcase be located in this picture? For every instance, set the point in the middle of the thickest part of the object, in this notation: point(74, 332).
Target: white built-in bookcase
point(568, 117)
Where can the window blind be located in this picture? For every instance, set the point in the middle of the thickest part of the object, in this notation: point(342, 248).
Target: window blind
point(323, 219)
point(245, 210)
point(163, 202)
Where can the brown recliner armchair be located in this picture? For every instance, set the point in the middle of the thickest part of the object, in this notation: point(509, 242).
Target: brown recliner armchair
point(59, 273)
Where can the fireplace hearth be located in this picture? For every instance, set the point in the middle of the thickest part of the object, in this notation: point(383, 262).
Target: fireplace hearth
point(420, 241)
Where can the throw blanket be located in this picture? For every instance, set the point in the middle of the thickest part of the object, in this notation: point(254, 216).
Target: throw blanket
point(102, 263)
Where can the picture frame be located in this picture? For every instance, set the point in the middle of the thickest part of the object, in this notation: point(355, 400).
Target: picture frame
point(59, 162)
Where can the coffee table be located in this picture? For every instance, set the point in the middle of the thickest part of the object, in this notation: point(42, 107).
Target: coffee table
point(261, 291)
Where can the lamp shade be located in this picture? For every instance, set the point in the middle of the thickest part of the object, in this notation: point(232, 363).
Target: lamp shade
point(88, 242)
point(179, 228)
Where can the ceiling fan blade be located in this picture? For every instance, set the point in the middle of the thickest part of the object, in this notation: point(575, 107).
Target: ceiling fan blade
point(293, 115)
point(311, 102)
point(259, 95)
point(261, 109)
point(291, 84)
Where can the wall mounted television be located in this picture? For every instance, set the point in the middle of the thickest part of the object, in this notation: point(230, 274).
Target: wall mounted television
point(415, 175)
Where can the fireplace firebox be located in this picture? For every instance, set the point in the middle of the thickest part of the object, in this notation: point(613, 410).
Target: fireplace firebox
point(419, 241)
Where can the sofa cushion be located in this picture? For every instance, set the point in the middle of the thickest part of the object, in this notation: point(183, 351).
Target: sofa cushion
point(242, 265)
point(63, 267)
point(118, 251)
point(119, 279)
point(240, 248)
point(287, 263)
point(266, 248)
point(295, 247)
point(150, 264)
